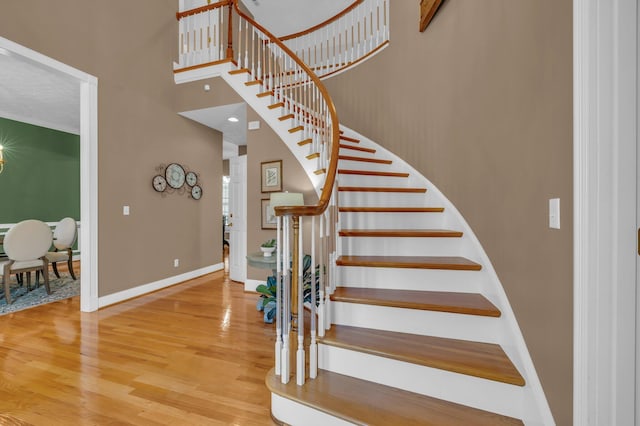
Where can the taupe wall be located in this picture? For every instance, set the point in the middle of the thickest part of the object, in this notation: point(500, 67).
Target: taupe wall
point(481, 104)
point(265, 145)
point(130, 47)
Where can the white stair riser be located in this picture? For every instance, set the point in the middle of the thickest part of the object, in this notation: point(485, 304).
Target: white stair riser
point(427, 323)
point(475, 392)
point(358, 180)
point(411, 279)
point(293, 413)
point(405, 246)
point(385, 199)
point(392, 220)
point(364, 165)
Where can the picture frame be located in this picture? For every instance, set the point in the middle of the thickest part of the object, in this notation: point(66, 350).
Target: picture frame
point(428, 8)
point(268, 216)
point(271, 176)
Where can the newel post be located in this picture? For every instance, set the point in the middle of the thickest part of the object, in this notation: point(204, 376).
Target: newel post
point(230, 37)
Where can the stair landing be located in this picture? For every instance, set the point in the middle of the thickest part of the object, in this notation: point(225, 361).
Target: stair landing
point(366, 403)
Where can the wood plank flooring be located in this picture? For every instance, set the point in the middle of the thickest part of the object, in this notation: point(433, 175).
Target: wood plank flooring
point(193, 354)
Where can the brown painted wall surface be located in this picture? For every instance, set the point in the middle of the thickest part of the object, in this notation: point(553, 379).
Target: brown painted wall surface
point(130, 47)
point(481, 104)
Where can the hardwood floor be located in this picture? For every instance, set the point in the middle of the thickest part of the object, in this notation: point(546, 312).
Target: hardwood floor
point(193, 354)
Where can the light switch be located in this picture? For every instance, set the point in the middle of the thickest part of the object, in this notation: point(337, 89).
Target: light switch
point(554, 213)
point(253, 125)
point(125, 210)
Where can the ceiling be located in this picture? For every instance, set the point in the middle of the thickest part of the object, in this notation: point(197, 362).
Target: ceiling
point(35, 94)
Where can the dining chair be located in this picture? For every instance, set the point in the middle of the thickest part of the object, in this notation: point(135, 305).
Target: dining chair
point(26, 245)
point(64, 236)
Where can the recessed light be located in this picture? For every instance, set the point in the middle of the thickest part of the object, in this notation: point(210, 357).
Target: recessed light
point(233, 119)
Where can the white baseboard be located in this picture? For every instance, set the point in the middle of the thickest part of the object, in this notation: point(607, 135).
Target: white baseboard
point(251, 285)
point(154, 286)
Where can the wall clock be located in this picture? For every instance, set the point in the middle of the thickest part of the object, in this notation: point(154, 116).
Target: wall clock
point(159, 183)
point(191, 178)
point(175, 175)
point(196, 192)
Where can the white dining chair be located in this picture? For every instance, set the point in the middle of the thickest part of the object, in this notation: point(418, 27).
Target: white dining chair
point(64, 236)
point(26, 245)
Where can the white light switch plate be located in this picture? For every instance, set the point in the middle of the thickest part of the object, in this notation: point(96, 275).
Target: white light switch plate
point(554, 213)
point(125, 210)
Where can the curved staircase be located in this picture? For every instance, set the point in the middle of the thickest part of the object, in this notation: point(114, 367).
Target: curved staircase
point(413, 324)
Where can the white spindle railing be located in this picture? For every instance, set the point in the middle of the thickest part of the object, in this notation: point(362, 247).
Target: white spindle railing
point(356, 33)
point(206, 36)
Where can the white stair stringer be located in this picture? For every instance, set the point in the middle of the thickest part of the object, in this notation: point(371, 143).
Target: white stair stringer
point(527, 403)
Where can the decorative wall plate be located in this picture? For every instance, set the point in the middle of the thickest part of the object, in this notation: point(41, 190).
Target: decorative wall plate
point(196, 192)
point(175, 175)
point(191, 178)
point(159, 183)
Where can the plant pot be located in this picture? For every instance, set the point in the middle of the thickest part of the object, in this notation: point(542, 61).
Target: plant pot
point(266, 251)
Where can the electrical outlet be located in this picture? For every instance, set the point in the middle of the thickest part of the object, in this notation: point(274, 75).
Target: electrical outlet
point(176, 263)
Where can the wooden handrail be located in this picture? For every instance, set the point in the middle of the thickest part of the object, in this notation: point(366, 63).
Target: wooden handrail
point(325, 195)
point(322, 24)
point(223, 3)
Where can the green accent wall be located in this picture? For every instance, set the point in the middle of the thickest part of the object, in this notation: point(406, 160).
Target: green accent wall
point(41, 177)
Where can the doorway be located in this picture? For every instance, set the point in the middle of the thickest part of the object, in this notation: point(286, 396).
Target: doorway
point(87, 86)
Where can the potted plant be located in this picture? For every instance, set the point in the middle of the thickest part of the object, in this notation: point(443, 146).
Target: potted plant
point(268, 247)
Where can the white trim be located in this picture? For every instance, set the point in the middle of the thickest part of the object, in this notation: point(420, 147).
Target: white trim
point(251, 285)
point(156, 285)
point(88, 237)
point(605, 118)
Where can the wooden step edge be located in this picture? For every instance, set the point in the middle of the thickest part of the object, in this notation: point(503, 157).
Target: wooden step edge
point(349, 139)
point(453, 263)
point(362, 402)
point(286, 117)
point(264, 94)
point(253, 82)
point(357, 148)
point(276, 105)
point(312, 156)
point(436, 301)
point(305, 142)
point(401, 233)
point(477, 359)
point(364, 159)
point(391, 209)
point(372, 173)
point(296, 129)
point(380, 189)
point(320, 171)
point(239, 71)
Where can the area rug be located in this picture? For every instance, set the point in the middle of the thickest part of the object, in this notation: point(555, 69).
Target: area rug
point(61, 288)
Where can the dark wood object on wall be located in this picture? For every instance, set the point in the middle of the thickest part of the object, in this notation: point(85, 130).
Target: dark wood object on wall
point(428, 8)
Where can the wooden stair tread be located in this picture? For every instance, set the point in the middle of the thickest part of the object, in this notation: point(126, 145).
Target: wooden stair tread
point(253, 82)
point(305, 142)
point(263, 94)
point(477, 359)
point(296, 129)
point(286, 117)
point(367, 403)
point(391, 209)
point(437, 233)
point(371, 173)
point(357, 148)
point(380, 189)
point(364, 159)
point(439, 301)
point(349, 139)
point(239, 71)
point(416, 262)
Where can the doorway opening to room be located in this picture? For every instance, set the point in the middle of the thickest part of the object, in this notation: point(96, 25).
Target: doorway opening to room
point(69, 110)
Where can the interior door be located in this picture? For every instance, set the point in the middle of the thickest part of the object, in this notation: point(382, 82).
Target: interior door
point(238, 218)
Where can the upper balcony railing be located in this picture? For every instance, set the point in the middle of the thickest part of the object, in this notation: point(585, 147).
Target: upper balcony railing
point(353, 35)
point(221, 32)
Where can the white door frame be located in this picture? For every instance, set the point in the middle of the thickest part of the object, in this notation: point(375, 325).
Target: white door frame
point(88, 169)
point(238, 226)
point(605, 119)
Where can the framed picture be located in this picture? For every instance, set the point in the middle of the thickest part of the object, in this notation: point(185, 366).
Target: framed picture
point(268, 215)
point(271, 172)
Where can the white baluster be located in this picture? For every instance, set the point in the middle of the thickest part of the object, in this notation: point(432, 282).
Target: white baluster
point(313, 346)
point(286, 303)
point(300, 356)
point(246, 45)
point(240, 42)
point(253, 57)
point(279, 322)
point(321, 307)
